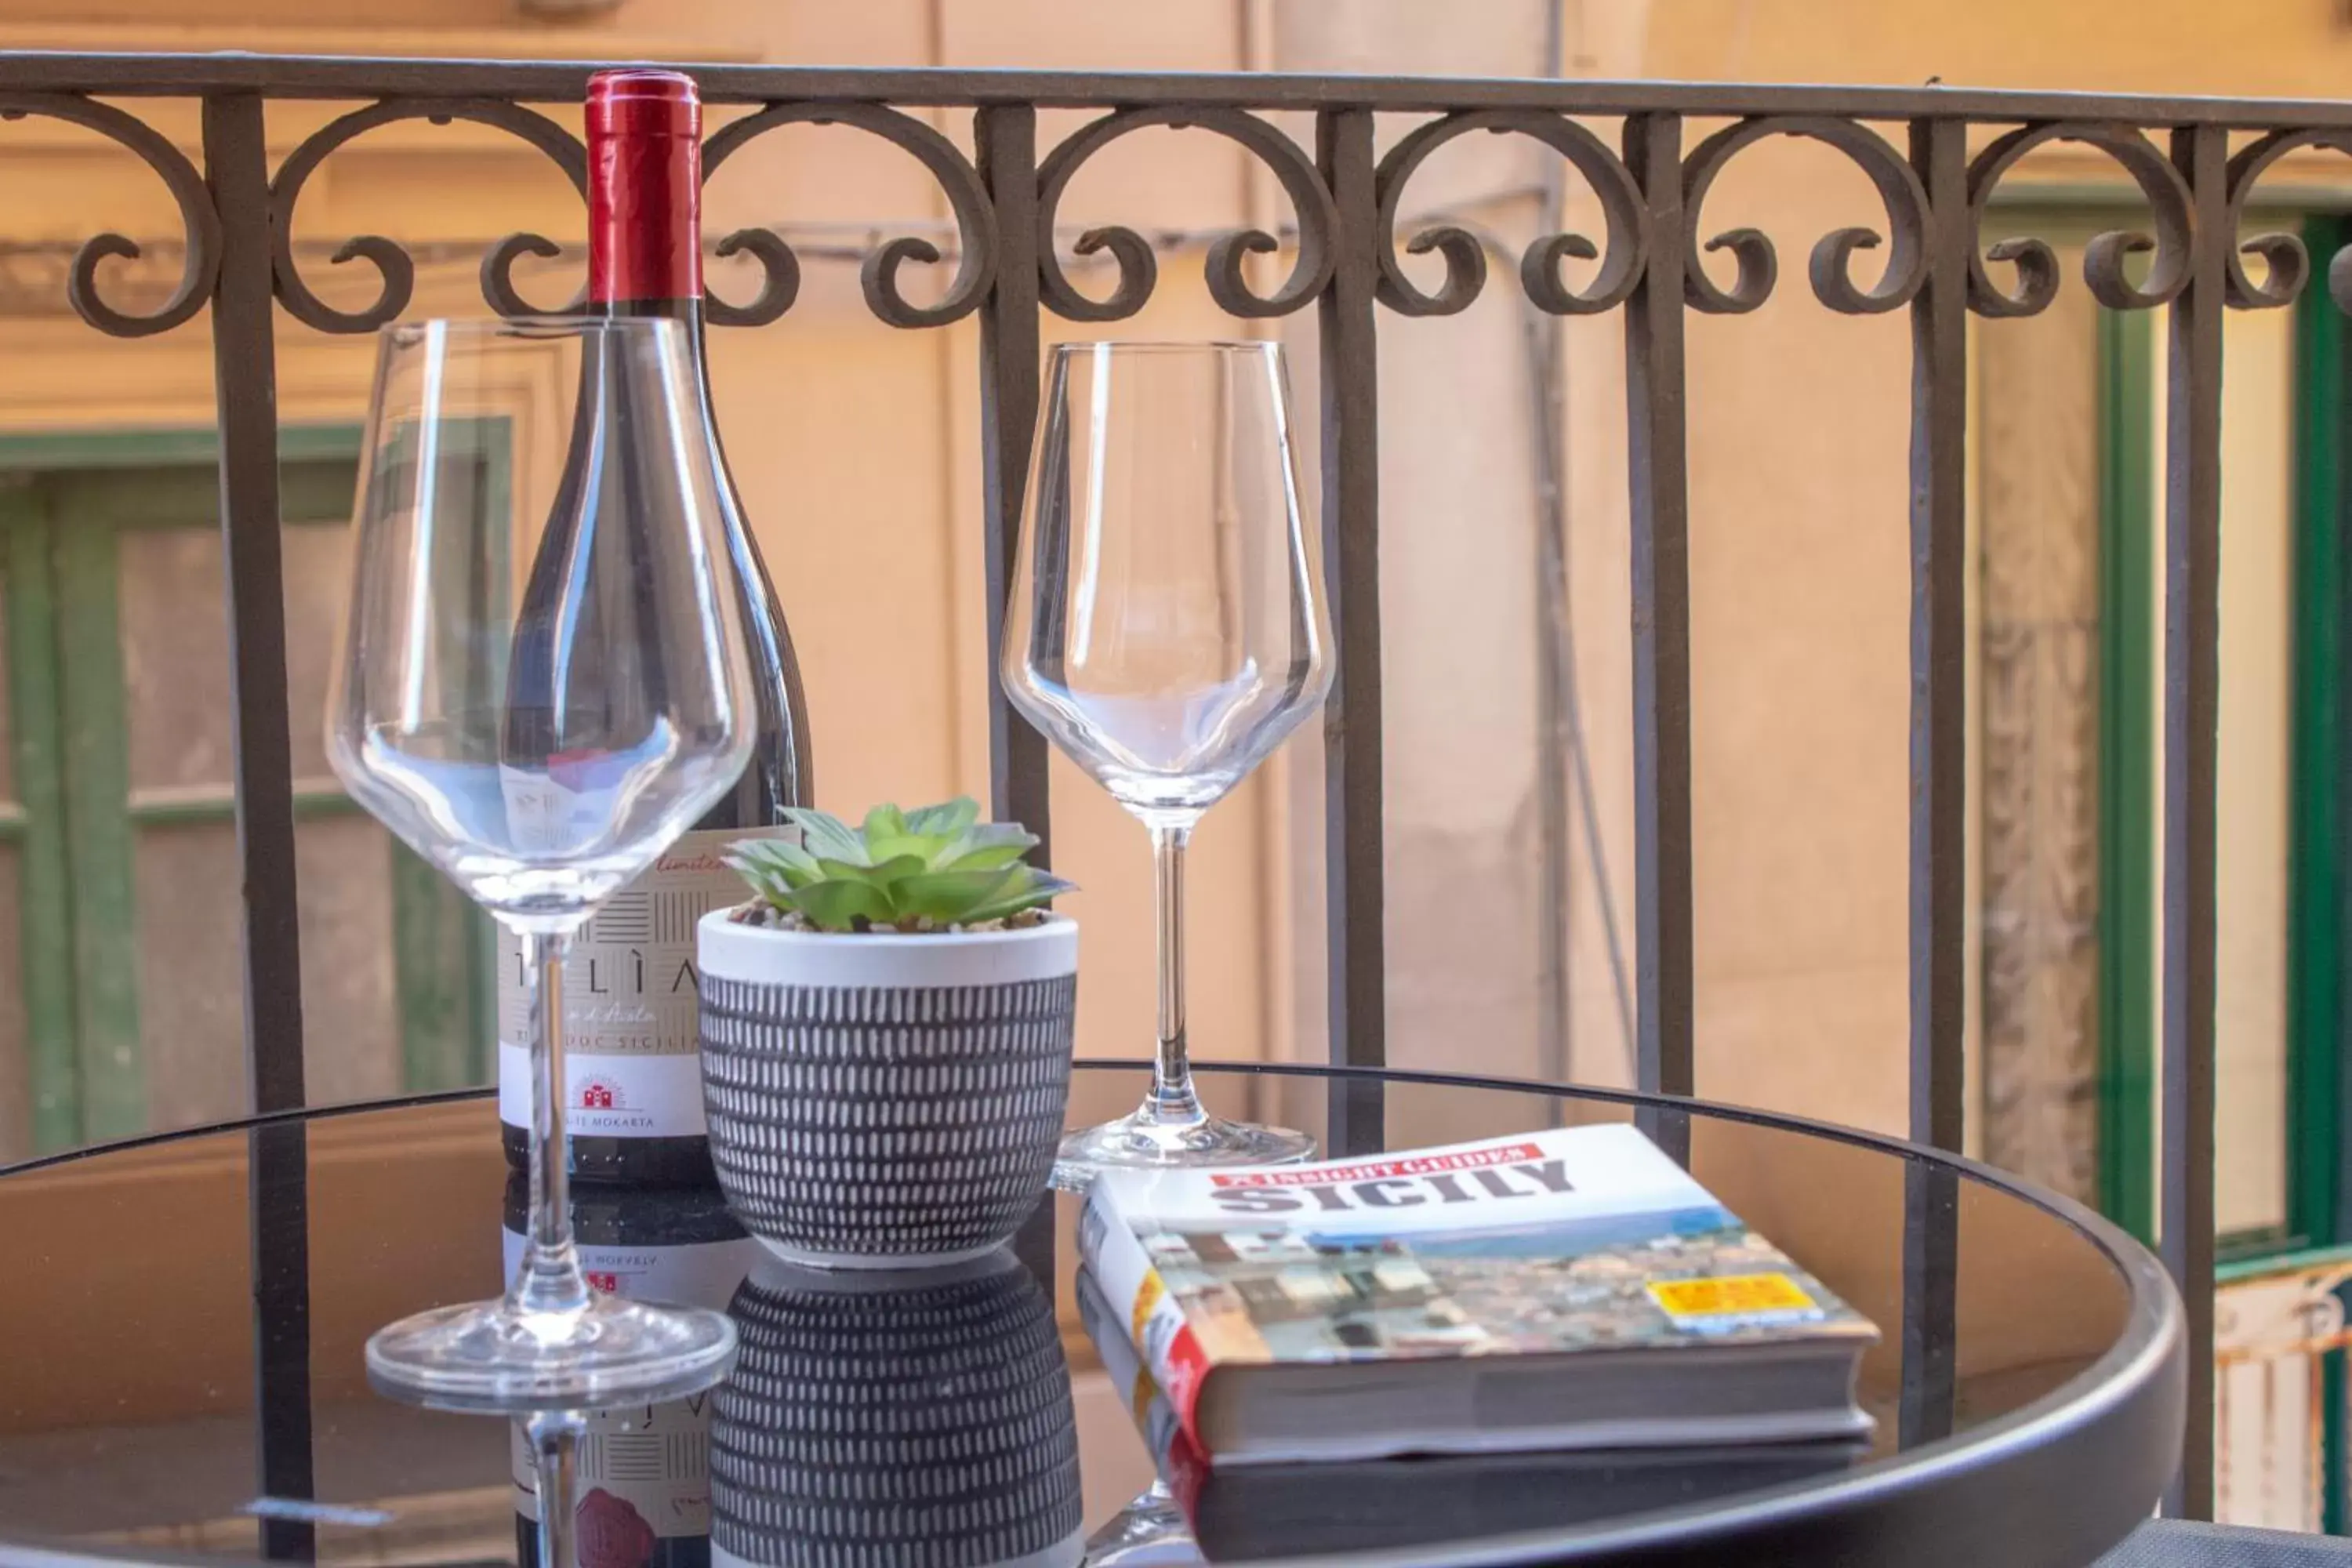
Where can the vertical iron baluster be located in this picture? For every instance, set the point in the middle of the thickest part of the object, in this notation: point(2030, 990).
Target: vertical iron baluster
point(237, 168)
point(1352, 790)
point(1938, 777)
point(1938, 631)
point(244, 368)
point(1660, 480)
point(2192, 631)
point(1005, 140)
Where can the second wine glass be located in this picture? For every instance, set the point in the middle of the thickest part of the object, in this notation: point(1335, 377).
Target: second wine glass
point(1166, 630)
point(539, 713)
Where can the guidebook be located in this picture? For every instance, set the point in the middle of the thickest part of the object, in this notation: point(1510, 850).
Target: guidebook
point(1569, 1288)
point(1289, 1510)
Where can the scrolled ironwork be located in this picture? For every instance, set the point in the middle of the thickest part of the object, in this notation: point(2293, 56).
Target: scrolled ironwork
point(1626, 222)
point(197, 216)
point(2287, 262)
point(1138, 271)
point(975, 218)
point(392, 262)
point(1831, 269)
point(2102, 257)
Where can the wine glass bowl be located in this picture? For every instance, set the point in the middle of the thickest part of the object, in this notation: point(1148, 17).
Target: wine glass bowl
point(1166, 630)
point(442, 794)
point(1168, 753)
point(542, 744)
point(1173, 632)
point(542, 681)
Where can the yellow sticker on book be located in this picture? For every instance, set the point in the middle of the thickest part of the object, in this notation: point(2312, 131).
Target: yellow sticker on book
point(1147, 1298)
point(1729, 1295)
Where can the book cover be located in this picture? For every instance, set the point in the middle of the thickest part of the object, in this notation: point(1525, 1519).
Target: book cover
point(1384, 1504)
point(1573, 1240)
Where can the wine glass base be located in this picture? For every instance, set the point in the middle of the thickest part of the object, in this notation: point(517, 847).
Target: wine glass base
point(488, 1356)
point(1150, 1532)
point(1143, 1142)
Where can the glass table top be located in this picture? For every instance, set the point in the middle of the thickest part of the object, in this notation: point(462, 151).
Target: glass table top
point(182, 1327)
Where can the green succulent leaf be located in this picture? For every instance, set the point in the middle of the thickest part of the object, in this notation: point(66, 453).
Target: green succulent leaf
point(880, 875)
point(991, 844)
point(1033, 890)
point(827, 836)
point(935, 865)
point(838, 905)
point(945, 820)
point(774, 890)
point(950, 897)
point(899, 866)
point(773, 857)
point(891, 846)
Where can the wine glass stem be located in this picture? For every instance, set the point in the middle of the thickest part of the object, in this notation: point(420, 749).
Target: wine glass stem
point(1172, 1096)
point(550, 1279)
point(554, 1448)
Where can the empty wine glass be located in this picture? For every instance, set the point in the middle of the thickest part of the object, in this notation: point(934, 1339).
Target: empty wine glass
point(542, 681)
point(1166, 630)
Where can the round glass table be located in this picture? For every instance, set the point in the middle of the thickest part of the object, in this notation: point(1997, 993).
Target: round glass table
point(181, 1373)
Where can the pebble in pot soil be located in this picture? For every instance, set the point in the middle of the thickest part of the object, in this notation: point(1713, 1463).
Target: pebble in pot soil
point(768, 917)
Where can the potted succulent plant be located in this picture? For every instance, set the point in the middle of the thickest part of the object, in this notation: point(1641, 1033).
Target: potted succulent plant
point(886, 1037)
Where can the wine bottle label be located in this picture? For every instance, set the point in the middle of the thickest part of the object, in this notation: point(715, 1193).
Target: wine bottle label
point(645, 1476)
point(565, 806)
point(632, 1069)
point(700, 1274)
point(644, 1471)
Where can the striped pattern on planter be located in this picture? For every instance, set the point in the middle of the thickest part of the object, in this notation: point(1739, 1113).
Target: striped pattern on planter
point(887, 1124)
point(928, 1426)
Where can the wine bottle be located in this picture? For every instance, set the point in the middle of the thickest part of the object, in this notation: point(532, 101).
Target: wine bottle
point(643, 1472)
point(632, 1093)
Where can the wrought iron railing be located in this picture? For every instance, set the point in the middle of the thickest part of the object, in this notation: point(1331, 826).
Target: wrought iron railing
point(2281, 1457)
point(1934, 155)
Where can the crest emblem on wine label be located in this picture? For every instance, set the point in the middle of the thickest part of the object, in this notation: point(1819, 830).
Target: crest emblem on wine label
point(603, 1094)
point(611, 1533)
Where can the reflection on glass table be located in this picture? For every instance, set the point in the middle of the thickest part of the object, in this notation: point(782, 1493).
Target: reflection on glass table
point(872, 1421)
point(137, 1418)
point(638, 1484)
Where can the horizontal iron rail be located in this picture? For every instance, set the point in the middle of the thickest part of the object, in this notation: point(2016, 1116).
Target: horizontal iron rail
point(347, 76)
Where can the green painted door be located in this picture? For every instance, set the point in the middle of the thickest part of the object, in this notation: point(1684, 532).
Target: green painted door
point(2288, 1164)
point(2282, 1168)
point(119, 910)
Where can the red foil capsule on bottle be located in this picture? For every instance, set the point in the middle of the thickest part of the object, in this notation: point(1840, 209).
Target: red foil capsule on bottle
point(644, 187)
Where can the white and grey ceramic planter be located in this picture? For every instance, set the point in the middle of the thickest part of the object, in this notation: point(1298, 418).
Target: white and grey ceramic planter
point(885, 1101)
point(895, 1421)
